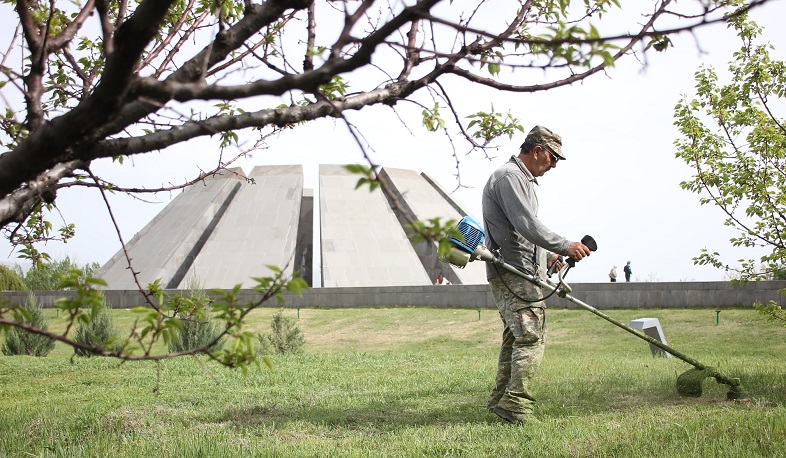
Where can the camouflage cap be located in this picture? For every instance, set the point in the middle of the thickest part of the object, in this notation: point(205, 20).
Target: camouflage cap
point(542, 136)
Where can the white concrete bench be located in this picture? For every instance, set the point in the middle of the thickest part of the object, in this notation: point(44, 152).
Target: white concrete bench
point(651, 327)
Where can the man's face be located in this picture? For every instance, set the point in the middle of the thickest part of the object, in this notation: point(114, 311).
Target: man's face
point(544, 160)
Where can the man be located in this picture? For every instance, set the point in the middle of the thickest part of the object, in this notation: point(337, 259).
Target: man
point(613, 274)
point(510, 213)
point(628, 271)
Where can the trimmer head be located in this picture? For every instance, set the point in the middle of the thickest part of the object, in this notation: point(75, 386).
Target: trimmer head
point(737, 393)
point(689, 384)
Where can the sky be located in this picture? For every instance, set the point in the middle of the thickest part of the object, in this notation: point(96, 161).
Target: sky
point(619, 184)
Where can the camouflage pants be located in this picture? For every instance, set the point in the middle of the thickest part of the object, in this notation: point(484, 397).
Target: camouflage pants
point(523, 342)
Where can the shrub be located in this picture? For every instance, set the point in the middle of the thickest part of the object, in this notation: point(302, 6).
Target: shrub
point(100, 332)
point(21, 342)
point(47, 277)
point(197, 332)
point(285, 336)
point(10, 280)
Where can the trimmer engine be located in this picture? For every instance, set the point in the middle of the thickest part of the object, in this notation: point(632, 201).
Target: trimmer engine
point(462, 250)
point(472, 232)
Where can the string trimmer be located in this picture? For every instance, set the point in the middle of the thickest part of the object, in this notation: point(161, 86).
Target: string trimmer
point(472, 249)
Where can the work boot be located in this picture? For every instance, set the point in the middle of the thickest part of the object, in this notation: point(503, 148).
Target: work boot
point(515, 417)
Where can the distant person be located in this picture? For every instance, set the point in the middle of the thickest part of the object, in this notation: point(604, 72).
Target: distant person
point(628, 271)
point(441, 280)
point(613, 274)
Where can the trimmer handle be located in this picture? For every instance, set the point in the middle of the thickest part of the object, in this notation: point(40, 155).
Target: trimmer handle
point(553, 267)
point(586, 240)
point(591, 244)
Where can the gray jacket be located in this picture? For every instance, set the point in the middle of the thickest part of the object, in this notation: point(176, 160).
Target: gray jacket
point(510, 217)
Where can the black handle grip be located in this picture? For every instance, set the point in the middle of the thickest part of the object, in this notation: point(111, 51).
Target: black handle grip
point(591, 244)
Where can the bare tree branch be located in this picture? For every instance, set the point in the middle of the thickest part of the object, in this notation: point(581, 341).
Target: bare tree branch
point(16, 205)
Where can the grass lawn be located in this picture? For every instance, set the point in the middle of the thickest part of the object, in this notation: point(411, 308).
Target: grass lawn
point(410, 382)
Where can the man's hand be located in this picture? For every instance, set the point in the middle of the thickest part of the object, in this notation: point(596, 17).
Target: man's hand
point(554, 263)
point(578, 251)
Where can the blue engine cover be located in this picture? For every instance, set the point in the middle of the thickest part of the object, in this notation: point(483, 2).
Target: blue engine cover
point(472, 232)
